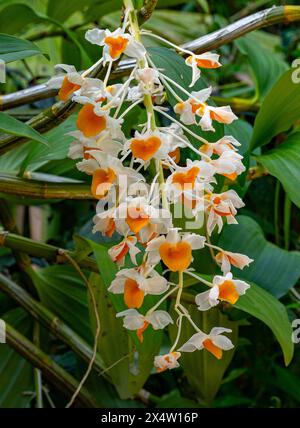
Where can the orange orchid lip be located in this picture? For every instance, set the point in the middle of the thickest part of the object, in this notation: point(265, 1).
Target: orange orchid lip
point(122, 253)
point(222, 214)
point(133, 296)
point(136, 219)
point(186, 179)
point(67, 89)
point(213, 349)
point(231, 177)
point(117, 45)
point(87, 155)
point(168, 361)
point(177, 257)
point(141, 330)
point(110, 228)
point(204, 63)
point(89, 123)
point(102, 182)
point(228, 292)
point(145, 149)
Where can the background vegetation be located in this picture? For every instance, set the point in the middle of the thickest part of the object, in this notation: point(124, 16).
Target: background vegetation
point(45, 200)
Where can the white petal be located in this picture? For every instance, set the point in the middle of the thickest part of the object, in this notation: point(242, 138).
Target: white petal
point(206, 121)
point(159, 319)
point(204, 302)
point(95, 36)
point(219, 330)
point(195, 241)
point(117, 286)
point(222, 342)
point(133, 320)
point(156, 285)
point(241, 286)
point(88, 166)
point(135, 49)
point(202, 95)
point(194, 343)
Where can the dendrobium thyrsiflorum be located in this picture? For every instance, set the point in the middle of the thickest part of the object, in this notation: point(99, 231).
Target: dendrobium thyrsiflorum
point(139, 176)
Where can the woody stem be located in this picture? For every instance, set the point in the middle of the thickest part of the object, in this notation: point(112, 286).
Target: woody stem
point(134, 24)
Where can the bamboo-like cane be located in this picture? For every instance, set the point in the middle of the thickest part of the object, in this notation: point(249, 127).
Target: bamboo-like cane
point(50, 321)
point(47, 119)
point(42, 250)
point(264, 18)
point(35, 189)
point(55, 374)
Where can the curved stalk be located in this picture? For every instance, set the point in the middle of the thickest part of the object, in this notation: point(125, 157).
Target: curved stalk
point(57, 376)
point(50, 321)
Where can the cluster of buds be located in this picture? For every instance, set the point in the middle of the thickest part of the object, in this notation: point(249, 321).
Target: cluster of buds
point(142, 210)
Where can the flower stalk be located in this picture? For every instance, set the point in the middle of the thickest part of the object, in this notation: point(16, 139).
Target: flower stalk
point(54, 374)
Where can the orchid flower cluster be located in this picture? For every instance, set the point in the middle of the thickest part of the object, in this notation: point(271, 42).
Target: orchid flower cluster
point(135, 209)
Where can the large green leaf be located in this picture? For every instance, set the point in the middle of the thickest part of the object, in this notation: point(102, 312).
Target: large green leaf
point(58, 146)
point(274, 269)
point(62, 10)
point(13, 126)
point(12, 48)
point(35, 156)
point(267, 66)
point(173, 65)
point(62, 291)
point(262, 305)
point(283, 162)
point(19, 17)
point(287, 381)
point(279, 110)
point(203, 370)
point(242, 131)
point(178, 26)
point(16, 372)
point(117, 344)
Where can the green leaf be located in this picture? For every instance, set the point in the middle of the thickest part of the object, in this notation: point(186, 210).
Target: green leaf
point(16, 372)
point(38, 17)
point(62, 10)
point(57, 148)
point(283, 163)
point(117, 344)
point(101, 8)
point(63, 292)
point(18, 16)
point(273, 269)
point(12, 48)
point(203, 371)
point(262, 305)
point(279, 110)
point(174, 67)
point(177, 26)
point(287, 381)
point(13, 126)
point(267, 66)
point(242, 131)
